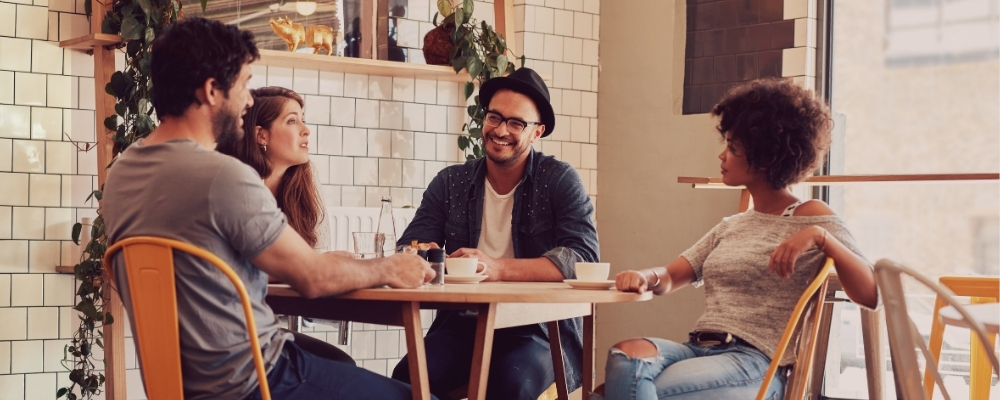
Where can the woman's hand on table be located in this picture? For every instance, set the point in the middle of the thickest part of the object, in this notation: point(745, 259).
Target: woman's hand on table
point(632, 281)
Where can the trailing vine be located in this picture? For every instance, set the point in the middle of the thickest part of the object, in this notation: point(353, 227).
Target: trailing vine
point(483, 52)
point(138, 22)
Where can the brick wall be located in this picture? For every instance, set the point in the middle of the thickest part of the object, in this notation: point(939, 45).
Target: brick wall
point(733, 41)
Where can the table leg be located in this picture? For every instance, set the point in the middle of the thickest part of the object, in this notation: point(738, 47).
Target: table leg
point(588, 352)
point(415, 349)
point(555, 346)
point(871, 335)
point(482, 351)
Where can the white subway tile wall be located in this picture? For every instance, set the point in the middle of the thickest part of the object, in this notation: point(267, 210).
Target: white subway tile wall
point(371, 136)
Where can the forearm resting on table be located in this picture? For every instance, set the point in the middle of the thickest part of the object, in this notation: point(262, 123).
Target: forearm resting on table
point(856, 276)
point(539, 269)
point(289, 259)
point(669, 278)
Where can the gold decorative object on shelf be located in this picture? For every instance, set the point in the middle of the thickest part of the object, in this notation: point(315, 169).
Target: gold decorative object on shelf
point(318, 37)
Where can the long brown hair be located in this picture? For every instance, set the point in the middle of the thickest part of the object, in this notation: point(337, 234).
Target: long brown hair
point(297, 196)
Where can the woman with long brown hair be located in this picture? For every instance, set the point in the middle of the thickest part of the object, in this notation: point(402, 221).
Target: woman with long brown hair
point(276, 144)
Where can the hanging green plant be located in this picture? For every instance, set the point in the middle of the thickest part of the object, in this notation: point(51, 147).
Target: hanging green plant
point(483, 52)
point(138, 22)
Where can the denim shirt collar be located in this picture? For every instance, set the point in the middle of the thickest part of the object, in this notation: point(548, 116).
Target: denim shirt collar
point(480, 172)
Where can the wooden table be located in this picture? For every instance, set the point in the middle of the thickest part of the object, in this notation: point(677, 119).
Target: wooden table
point(987, 313)
point(500, 305)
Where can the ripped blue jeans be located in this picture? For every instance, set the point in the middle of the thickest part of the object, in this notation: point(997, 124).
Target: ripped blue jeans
point(682, 371)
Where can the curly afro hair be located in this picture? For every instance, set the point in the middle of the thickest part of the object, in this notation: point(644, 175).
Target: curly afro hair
point(783, 128)
point(191, 51)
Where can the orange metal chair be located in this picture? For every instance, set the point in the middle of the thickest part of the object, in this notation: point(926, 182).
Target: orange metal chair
point(812, 298)
point(149, 262)
point(981, 289)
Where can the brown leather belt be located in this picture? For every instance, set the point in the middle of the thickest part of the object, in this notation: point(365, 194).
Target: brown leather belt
point(708, 338)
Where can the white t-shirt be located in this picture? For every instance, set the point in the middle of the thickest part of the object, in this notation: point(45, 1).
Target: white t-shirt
point(495, 238)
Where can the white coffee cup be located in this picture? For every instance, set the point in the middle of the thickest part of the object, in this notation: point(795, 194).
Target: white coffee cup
point(464, 266)
point(592, 272)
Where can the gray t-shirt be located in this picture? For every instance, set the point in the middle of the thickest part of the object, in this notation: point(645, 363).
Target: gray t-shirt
point(180, 190)
point(742, 296)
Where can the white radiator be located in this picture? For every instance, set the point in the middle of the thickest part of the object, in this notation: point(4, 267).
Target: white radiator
point(346, 220)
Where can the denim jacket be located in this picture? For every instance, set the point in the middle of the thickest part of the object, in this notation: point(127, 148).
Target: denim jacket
point(552, 218)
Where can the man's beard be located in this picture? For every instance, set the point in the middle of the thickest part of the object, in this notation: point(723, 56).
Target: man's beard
point(516, 149)
point(225, 126)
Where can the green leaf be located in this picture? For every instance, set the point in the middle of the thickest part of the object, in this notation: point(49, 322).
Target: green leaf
point(150, 35)
point(88, 8)
point(111, 122)
point(501, 64)
point(119, 84)
point(469, 88)
point(109, 88)
point(444, 7)
point(62, 391)
point(204, 3)
point(474, 65)
point(108, 320)
point(459, 16)
point(523, 60)
point(131, 28)
point(468, 6)
point(476, 133)
point(146, 7)
point(77, 228)
point(463, 142)
point(120, 109)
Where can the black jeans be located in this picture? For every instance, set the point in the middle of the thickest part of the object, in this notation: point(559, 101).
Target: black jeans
point(520, 366)
point(299, 374)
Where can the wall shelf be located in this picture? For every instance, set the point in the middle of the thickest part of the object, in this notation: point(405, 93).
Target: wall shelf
point(361, 66)
point(89, 41)
point(716, 182)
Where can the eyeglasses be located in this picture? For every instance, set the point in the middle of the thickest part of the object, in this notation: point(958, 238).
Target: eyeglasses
point(514, 125)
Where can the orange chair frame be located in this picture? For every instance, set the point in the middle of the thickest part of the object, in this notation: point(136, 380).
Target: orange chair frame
point(149, 262)
point(814, 296)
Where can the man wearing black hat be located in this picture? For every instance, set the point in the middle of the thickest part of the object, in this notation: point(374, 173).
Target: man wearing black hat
point(526, 216)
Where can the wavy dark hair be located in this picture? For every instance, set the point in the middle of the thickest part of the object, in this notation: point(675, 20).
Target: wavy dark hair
point(783, 128)
point(297, 195)
point(191, 51)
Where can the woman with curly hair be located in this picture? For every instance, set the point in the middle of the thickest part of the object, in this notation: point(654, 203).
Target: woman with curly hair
point(754, 265)
point(276, 144)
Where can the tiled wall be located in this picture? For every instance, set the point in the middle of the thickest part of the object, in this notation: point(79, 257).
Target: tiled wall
point(372, 136)
point(733, 41)
point(44, 180)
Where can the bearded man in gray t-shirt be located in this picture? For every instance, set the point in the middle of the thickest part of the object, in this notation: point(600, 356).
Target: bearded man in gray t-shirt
point(173, 184)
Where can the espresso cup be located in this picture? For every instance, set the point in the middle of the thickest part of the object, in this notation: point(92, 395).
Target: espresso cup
point(592, 272)
point(464, 266)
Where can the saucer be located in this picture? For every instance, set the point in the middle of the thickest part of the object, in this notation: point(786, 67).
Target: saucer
point(591, 285)
point(464, 279)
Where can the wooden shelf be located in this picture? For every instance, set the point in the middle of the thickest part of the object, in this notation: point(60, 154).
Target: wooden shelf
point(65, 269)
point(88, 42)
point(361, 66)
point(716, 182)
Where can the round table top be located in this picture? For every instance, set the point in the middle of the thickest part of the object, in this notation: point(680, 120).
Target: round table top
point(485, 292)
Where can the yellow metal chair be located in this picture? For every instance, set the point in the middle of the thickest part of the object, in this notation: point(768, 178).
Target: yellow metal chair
point(982, 290)
point(149, 262)
point(812, 299)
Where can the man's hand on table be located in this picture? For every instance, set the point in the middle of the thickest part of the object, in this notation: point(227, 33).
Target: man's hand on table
point(494, 267)
point(407, 271)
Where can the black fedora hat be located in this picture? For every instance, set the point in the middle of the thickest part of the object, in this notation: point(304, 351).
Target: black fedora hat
point(527, 82)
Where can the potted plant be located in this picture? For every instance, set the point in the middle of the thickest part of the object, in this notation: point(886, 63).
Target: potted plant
point(474, 46)
point(138, 22)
